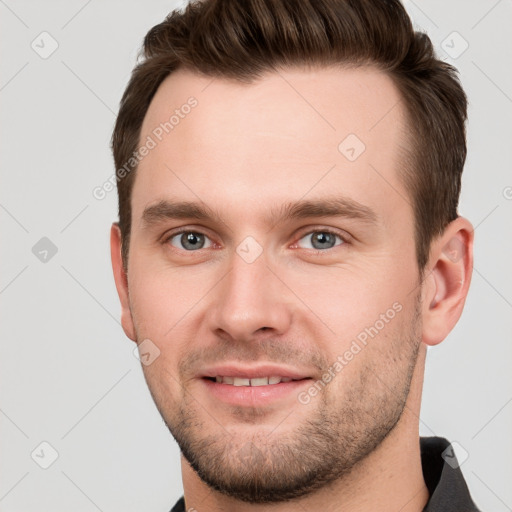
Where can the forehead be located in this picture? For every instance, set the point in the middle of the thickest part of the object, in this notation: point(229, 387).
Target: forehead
point(290, 133)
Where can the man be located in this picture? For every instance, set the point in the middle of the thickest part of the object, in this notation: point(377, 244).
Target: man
point(289, 245)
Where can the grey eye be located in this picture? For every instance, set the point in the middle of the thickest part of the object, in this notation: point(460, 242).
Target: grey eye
point(320, 240)
point(190, 241)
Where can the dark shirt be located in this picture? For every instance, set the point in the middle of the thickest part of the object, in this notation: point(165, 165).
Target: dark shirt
point(446, 485)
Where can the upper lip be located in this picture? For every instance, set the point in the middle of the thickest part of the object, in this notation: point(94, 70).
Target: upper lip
point(250, 372)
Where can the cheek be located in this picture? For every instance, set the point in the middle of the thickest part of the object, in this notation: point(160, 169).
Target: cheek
point(335, 304)
point(373, 360)
point(160, 308)
point(349, 300)
point(163, 298)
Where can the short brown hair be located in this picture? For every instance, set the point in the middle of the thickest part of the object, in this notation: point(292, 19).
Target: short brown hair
point(242, 40)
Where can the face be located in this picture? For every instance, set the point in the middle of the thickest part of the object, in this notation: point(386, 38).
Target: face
point(272, 269)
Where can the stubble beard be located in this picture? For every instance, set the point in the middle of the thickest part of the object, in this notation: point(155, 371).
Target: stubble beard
point(339, 432)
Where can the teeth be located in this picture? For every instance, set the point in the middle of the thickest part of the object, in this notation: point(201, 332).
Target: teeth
point(258, 381)
point(262, 381)
point(241, 382)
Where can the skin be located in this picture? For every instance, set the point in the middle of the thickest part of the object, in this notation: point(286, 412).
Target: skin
point(243, 151)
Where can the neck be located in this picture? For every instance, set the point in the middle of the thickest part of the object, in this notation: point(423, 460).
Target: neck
point(388, 479)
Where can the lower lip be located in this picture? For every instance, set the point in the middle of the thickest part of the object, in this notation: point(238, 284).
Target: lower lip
point(253, 396)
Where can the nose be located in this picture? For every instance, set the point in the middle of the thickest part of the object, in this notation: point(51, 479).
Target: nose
point(251, 300)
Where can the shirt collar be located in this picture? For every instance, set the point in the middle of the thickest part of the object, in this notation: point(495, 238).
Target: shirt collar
point(444, 480)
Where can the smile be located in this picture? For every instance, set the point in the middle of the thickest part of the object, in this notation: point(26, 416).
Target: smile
point(256, 381)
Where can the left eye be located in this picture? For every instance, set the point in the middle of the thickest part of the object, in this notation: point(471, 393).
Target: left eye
point(320, 240)
point(190, 241)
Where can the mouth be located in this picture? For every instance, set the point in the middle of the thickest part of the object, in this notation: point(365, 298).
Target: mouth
point(254, 381)
point(254, 387)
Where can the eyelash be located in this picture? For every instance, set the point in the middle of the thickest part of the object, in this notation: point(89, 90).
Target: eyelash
point(345, 239)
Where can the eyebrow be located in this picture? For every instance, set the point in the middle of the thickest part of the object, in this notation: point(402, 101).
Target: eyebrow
point(325, 207)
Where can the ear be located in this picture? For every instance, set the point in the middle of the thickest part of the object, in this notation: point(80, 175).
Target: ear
point(448, 278)
point(121, 280)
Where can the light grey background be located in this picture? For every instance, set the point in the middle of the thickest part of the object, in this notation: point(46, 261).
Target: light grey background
point(68, 374)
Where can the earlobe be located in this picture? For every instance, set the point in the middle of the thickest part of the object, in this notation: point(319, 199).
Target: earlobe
point(447, 284)
point(121, 281)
